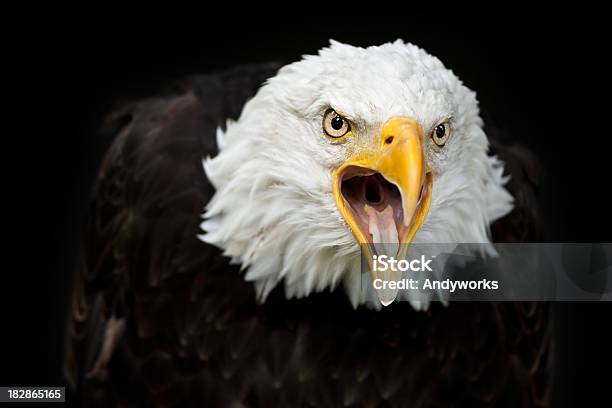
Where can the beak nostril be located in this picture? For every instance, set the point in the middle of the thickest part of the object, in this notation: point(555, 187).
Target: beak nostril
point(389, 140)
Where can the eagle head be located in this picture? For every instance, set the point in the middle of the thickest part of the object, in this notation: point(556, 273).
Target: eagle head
point(348, 149)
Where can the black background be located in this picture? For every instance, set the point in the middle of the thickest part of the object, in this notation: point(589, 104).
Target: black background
point(540, 76)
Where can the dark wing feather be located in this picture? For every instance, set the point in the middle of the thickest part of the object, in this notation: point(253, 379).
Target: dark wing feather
point(144, 217)
point(524, 223)
point(160, 318)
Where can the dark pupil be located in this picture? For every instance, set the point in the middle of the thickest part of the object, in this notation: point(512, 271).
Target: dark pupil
point(337, 123)
point(440, 131)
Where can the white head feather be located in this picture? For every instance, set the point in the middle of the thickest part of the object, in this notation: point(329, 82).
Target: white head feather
point(273, 211)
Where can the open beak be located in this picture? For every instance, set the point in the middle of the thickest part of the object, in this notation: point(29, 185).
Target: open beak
point(384, 193)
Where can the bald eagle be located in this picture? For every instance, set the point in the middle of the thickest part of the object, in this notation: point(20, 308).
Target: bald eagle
point(222, 261)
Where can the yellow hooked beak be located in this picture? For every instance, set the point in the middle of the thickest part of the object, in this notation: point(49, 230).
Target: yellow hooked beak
point(387, 188)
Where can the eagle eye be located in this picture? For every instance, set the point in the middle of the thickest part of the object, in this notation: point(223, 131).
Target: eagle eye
point(334, 125)
point(440, 134)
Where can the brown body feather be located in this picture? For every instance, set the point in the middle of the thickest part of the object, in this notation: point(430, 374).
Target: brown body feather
point(161, 318)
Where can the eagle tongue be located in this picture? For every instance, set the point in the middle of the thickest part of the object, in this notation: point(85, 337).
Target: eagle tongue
point(383, 230)
point(385, 238)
